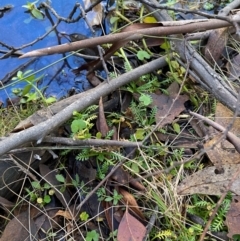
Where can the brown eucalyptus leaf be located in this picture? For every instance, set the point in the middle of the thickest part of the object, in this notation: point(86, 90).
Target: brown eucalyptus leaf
point(94, 16)
point(113, 215)
point(6, 203)
point(164, 103)
point(130, 229)
point(19, 228)
point(215, 45)
point(66, 214)
point(122, 177)
point(233, 217)
point(224, 117)
point(131, 202)
point(211, 181)
point(219, 155)
point(102, 125)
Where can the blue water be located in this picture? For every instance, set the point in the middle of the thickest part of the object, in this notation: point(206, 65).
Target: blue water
point(15, 31)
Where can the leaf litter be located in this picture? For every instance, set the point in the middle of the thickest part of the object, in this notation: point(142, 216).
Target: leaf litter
point(131, 220)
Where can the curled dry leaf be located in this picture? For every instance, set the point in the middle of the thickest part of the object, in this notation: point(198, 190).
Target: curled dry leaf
point(130, 229)
point(165, 102)
point(218, 154)
point(211, 181)
point(20, 228)
point(224, 152)
point(131, 202)
point(102, 125)
point(94, 16)
point(64, 213)
point(215, 45)
point(233, 217)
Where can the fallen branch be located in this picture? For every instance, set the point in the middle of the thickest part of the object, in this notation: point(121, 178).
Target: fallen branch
point(38, 132)
point(233, 139)
point(164, 30)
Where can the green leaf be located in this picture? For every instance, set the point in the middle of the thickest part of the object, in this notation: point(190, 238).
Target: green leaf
point(37, 14)
point(77, 178)
point(108, 199)
point(140, 134)
point(174, 64)
point(47, 199)
point(99, 135)
point(208, 6)
point(113, 19)
point(78, 125)
point(145, 99)
point(32, 96)
point(141, 54)
point(92, 236)
point(46, 186)
point(20, 74)
point(135, 167)
point(166, 45)
point(36, 185)
point(50, 100)
point(84, 216)
point(60, 178)
point(176, 127)
point(27, 72)
point(26, 89)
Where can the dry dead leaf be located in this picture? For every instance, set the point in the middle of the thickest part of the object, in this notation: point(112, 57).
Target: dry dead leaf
point(130, 229)
point(223, 152)
point(131, 202)
point(233, 217)
point(219, 155)
point(215, 45)
point(224, 117)
point(20, 228)
point(94, 16)
point(102, 125)
point(210, 181)
point(122, 177)
point(164, 102)
point(65, 214)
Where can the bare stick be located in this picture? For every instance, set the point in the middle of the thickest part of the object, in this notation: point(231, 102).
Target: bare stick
point(38, 132)
point(193, 26)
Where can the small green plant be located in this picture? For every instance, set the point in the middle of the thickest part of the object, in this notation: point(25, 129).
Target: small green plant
point(84, 216)
point(142, 54)
point(203, 209)
point(92, 236)
point(26, 94)
point(62, 180)
point(104, 157)
point(81, 124)
point(208, 6)
point(146, 84)
point(31, 7)
point(143, 116)
point(102, 196)
point(112, 236)
point(40, 193)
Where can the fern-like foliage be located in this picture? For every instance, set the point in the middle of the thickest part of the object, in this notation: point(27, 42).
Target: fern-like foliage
point(218, 222)
point(83, 155)
point(164, 234)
